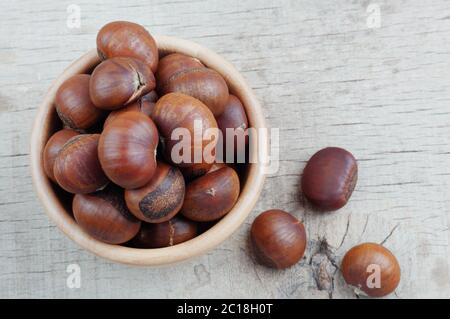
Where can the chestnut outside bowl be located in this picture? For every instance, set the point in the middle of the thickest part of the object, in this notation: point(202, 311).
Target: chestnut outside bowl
point(58, 208)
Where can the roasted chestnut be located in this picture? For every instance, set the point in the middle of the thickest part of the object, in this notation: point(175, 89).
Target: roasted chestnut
point(104, 216)
point(74, 105)
point(77, 168)
point(169, 233)
point(127, 39)
point(161, 198)
point(329, 178)
point(119, 81)
point(190, 145)
point(278, 238)
point(127, 149)
point(53, 146)
point(179, 74)
point(211, 196)
point(371, 268)
point(233, 124)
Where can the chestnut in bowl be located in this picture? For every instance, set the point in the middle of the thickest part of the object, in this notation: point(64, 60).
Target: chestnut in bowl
point(74, 105)
point(46, 124)
point(104, 215)
point(233, 124)
point(179, 112)
point(127, 149)
point(179, 73)
point(172, 64)
point(52, 148)
point(161, 198)
point(127, 39)
point(211, 196)
point(119, 81)
point(77, 167)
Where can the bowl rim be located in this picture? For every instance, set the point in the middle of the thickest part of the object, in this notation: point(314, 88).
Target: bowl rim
point(160, 256)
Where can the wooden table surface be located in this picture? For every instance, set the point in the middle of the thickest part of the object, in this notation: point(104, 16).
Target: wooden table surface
point(328, 73)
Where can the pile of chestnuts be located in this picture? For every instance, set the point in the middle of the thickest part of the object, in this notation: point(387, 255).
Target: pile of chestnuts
point(115, 153)
point(279, 239)
point(115, 149)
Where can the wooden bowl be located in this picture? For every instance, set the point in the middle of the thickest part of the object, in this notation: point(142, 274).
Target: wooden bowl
point(58, 208)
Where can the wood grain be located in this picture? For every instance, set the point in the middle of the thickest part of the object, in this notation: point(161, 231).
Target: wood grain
point(323, 77)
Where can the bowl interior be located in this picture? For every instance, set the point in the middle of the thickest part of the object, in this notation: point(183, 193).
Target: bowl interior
point(57, 203)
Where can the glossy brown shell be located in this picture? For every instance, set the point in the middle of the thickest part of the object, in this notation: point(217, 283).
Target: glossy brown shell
point(127, 39)
point(52, 148)
point(329, 178)
point(74, 105)
point(203, 84)
point(77, 167)
point(127, 149)
point(359, 262)
point(278, 238)
point(177, 110)
point(172, 64)
point(235, 120)
point(104, 216)
point(211, 196)
point(119, 81)
point(161, 198)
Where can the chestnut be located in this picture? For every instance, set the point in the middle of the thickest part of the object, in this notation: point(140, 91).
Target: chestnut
point(53, 146)
point(77, 168)
point(172, 64)
point(179, 74)
point(74, 105)
point(119, 81)
point(211, 196)
point(127, 39)
point(144, 106)
point(180, 111)
point(329, 178)
point(104, 215)
point(161, 198)
point(127, 149)
point(233, 123)
point(278, 239)
point(371, 268)
point(169, 233)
